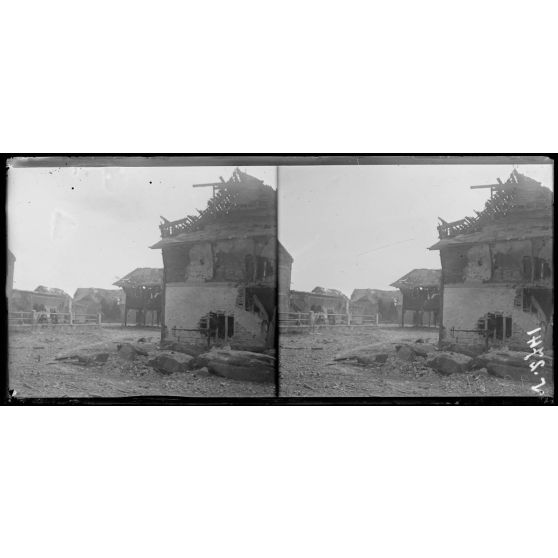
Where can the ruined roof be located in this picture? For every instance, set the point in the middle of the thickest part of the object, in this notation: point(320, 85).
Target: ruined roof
point(92, 293)
point(373, 295)
point(284, 254)
point(51, 291)
point(306, 293)
point(142, 276)
point(419, 278)
point(519, 196)
point(327, 292)
point(40, 293)
point(216, 231)
point(242, 196)
point(502, 231)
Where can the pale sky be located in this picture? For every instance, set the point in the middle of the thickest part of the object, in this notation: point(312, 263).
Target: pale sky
point(366, 226)
point(88, 227)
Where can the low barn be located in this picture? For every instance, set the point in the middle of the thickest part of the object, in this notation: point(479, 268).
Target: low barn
point(421, 296)
point(330, 303)
point(143, 289)
point(41, 299)
point(107, 302)
point(366, 303)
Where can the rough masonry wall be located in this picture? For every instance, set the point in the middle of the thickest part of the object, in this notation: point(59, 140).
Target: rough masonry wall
point(186, 304)
point(200, 262)
point(479, 265)
point(464, 306)
point(284, 285)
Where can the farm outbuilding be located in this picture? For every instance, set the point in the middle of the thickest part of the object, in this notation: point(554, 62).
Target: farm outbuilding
point(107, 302)
point(421, 296)
point(143, 290)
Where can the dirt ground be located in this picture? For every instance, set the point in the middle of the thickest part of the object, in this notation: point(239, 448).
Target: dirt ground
point(33, 372)
point(307, 369)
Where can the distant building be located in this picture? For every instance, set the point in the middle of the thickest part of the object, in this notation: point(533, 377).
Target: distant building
point(143, 300)
point(421, 296)
point(497, 282)
point(107, 302)
point(333, 304)
point(27, 301)
point(367, 303)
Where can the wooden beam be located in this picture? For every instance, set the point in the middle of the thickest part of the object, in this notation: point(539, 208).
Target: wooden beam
point(211, 185)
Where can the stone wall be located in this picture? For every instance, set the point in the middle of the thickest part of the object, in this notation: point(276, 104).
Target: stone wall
point(464, 306)
point(187, 303)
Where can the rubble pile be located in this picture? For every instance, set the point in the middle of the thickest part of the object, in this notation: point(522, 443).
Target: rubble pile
point(421, 357)
point(176, 358)
point(239, 365)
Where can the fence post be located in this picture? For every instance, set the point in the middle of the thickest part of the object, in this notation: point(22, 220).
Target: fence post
point(377, 319)
point(34, 318)
point(99, 319)
point(71, 319)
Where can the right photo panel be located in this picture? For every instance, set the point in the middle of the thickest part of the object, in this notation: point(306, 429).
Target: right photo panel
point(415, 280)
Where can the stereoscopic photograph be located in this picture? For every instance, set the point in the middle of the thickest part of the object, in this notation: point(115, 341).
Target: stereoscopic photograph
point(416, 280)
point(141, 281)
point(319, 281)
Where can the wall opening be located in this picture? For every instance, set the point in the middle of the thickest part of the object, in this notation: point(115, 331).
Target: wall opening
point(495, 326)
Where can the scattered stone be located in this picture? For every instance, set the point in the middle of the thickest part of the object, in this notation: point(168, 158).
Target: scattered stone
point(366, 353)
point(469, 350)
point(239, 365)
point(449, 363)
point(186, 348)
point(511, 365)
point(406, 353)
point(101, 357)
point(169, 362)
point(127, 351)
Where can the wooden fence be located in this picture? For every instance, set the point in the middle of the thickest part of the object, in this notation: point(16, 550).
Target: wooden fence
point(308, 321)
point(38, 319)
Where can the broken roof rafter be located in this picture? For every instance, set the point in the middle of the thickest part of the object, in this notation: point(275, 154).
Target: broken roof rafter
point(518, 191)
point(227, 197)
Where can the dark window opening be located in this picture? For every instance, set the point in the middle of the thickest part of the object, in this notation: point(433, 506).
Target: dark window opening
point(249, 267)
point(264, 268)
point(497, 326)
point(527, 268)
point(217, 325)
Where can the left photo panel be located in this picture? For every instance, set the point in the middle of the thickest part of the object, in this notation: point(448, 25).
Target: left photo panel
point(142, 281)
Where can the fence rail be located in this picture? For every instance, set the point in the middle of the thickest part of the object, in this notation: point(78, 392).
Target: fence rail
point(313, 320)
point(34, 318)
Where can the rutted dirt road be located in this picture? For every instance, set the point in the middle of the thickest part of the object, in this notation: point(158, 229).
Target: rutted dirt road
point(307, 369)
point(34, 372)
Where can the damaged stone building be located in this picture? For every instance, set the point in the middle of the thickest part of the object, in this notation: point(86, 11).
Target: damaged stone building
point(497, 268)
point(220, 268)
